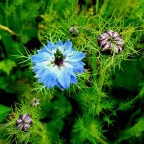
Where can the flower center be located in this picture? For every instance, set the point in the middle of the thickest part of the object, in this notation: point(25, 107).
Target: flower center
point(112, 40)
point(58, 57)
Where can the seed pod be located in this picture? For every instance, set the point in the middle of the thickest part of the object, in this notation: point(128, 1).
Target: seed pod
point(35, 102)
point(111, 41)
point(24, 122)
point(74, 31)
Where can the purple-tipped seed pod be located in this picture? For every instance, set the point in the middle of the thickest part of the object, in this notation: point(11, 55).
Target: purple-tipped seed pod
point(111, 41)
point(24, 122)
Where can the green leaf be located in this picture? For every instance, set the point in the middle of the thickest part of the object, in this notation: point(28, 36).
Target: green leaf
point(3, 112)
point(7, 65)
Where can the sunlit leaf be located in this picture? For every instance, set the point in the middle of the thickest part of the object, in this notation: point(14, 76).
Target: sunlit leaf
point(3, 112)
point(7, 65)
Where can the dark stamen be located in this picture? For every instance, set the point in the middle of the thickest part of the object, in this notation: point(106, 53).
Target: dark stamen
point(58, 57)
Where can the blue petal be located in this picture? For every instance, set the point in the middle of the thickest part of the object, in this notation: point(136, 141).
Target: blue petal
point(64, 78)
point(79, 69)
point(77, 56)
point(51, 46)
point(40, 57)
point(49, 79)
point(78, 66)
point(45, 49)
point(43, 75)
point(73, 76)
point(42, 50)
point(73, 79)
point(59, 43)
point(67, 45)
point(38, 66)
point(59, 85)
point(39, 72)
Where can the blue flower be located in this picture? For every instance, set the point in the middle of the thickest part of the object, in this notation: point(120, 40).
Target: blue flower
point(57, 64)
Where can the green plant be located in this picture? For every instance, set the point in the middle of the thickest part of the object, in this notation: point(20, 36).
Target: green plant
point(105, 106)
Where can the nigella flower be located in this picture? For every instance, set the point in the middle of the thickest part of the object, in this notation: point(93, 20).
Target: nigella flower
point(57, 64)
point(35, 102)
point(111, 41)
point(24, 122)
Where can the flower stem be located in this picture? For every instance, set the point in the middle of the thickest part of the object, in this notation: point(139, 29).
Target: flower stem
point(101, 79)
point(100, 140)
point(99, 87)
point(97, 6)
point(8, 30)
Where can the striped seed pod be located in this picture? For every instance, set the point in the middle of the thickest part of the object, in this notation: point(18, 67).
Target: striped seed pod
point(24, 122)
point(35, 102)
point(111, 41)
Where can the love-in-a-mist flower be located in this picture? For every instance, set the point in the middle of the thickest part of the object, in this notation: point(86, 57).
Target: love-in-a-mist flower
point(24, 122)
point(111, 41)
point(57, 64)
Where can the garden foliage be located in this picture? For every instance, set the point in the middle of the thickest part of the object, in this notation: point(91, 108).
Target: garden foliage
point(97, 96)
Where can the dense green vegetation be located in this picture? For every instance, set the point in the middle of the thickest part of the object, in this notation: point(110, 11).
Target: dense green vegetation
point(106, 105)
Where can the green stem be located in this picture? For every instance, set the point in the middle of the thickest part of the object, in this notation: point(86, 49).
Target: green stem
point(101, 79)
point(100, 85)
point(100, 140)
point(97, 6)
point(94, 67)
point(8, 30)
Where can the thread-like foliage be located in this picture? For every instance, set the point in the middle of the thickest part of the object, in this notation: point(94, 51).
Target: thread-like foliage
point(105, 106)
